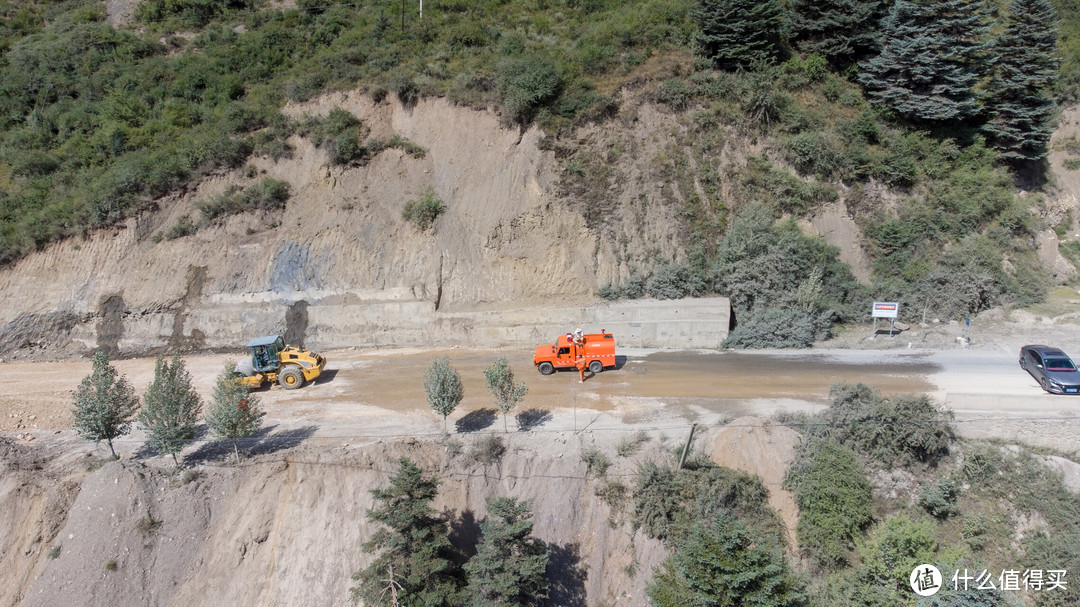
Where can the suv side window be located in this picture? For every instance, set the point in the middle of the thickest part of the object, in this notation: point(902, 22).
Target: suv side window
point(1038, 359)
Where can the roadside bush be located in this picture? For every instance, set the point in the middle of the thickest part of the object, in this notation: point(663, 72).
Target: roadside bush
point(754, 241)
point(423, 211)
point(613, 492)
point(675, 281)
point(774, 328)
point(666, 504)
point(834, 501)
point(719, 561)
point(897, 431)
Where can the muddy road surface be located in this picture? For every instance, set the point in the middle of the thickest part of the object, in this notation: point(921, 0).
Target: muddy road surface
point(379, 393)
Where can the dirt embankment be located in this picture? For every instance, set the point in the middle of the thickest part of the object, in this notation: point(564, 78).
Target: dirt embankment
point(286, 527)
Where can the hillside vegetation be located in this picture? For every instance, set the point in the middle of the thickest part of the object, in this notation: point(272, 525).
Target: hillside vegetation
point(937, 154)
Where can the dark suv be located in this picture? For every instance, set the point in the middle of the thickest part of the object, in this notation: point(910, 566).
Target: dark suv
point(1052, 368)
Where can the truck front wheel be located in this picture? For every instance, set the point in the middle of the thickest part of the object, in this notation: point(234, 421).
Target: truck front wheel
point(545, 368)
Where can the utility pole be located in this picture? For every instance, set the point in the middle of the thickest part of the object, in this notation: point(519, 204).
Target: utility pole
point(686, 447)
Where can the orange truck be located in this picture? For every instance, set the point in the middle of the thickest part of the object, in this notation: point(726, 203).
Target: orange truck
point(598, 350)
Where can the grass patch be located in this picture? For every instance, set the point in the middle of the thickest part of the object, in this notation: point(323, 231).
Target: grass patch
point(629, 445)
point(596, 462)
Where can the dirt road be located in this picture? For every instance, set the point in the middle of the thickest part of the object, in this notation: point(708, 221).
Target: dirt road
point(379, 393)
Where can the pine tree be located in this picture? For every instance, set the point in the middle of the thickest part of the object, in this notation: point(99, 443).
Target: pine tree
point(170, 407)
point(1018, 97)
point(718, 563)
point(510, 565)
point(443, 387)
point(414, 565)
point(842, 31)
point(932, 55)
point(234, 413)
point(737, 33)
point(499, 378)
point(104, 403)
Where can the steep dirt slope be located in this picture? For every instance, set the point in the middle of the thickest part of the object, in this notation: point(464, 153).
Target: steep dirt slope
point(339, 251)
point(286, 528)
point(37, 488)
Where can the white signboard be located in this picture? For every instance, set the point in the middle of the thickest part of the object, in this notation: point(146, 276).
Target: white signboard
point(885, 309)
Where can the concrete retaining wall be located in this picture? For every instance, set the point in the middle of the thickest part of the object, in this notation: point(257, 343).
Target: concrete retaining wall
point(213, 325)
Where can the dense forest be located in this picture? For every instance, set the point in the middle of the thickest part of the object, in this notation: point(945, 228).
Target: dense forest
point(930, 120)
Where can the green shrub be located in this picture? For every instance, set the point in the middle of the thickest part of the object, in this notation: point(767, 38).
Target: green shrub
point(54, 552)
point(666, 504)
point(675, 281)
point(268, 195)
point(901, 430)
point(527, 83)
point(676, 93)
point(815, 153)
point(423, 211)
point(834, 501)
point(939, 499)
point(774, 328)
point(895, 547)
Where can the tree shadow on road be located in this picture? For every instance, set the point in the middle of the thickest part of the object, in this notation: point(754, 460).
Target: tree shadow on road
point(265, 441)
point(476, 420)
point(269, 441)
point(531, 418)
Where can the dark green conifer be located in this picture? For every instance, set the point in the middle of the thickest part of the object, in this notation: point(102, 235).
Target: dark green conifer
point(510, 565)
point(842, 31)
point(1018, 98)
point(717, 562)
point(738, 33)
point(414, 566)
point(930, 61)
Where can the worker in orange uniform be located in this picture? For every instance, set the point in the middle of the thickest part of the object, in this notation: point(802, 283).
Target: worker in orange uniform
point(581, 368)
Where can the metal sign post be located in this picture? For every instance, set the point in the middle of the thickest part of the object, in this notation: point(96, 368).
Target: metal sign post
point(885, 309)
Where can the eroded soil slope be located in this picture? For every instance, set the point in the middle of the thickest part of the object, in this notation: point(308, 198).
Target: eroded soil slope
point(286, 527)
